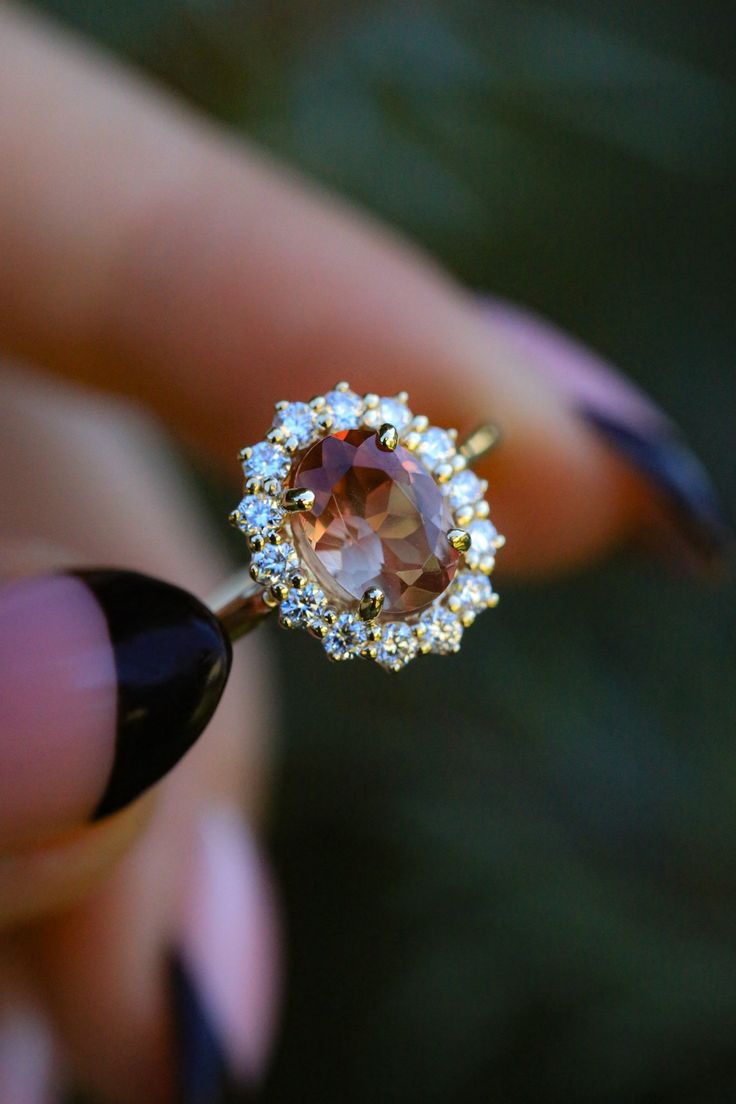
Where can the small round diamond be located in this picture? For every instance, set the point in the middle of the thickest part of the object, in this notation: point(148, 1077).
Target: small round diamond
point(473, 591)
point(272, 562)
point(443, 630)
point(345, 408)
point(464, 489)
point(392, 411)
point(266, 461)
point(302, 606)
point(397, 646)
point(482, 536)
point(346, 638)
point(296, 420)
point(260, 512)
point(436, 447)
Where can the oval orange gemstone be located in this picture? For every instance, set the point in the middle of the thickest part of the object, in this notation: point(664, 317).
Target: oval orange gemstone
point(379, 519)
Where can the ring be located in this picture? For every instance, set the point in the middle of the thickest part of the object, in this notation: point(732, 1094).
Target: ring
point(366, 526)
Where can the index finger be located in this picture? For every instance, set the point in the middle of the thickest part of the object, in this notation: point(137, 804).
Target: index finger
point(148, 253)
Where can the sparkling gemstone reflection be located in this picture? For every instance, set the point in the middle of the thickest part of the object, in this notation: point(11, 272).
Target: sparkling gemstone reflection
point(379, 519)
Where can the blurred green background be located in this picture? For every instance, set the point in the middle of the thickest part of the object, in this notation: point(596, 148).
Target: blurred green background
point(511, 876)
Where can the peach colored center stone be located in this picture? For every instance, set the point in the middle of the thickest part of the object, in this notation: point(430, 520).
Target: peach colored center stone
point(379, 519)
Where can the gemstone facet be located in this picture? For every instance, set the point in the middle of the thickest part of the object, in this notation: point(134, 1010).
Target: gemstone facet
point(379, 520)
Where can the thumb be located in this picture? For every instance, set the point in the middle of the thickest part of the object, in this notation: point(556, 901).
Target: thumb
point(106, 679)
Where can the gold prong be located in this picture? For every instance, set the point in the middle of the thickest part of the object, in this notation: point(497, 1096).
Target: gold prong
point(245, 454)
point(343, 385)
point(425, 646)
point(369, 652)
point(482, 509)
point(279, 591)
point(275, 436)
point(324, 422)
point(480, 442)
point(235, 519)
point(272, 487)
point(498, 541)
point(412, 440)
point(494, 600)
point(253, 485)
point(274, 537)
point(459, 539)
point(420, 630)
point(468, 618)
point(297, 499)
point(464, 515)
point(419, 422)
point(371, 604)
point(269, 600)
point(255, 542)
point(486, 564)
point(319, 629)
point(444, 473)
point(317, 403)
point(329, 616)
point(291, 444)
point(387, 437)
point(459, 463)
point(452, 434)
point(373, 632)
point(298, 580)
point(281, 405)
point(403, 396)
point(454, 604)
point(371, 400)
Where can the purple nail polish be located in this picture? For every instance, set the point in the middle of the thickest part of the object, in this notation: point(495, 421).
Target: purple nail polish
point(634, 426)
point(106, 680)
point(224, 972)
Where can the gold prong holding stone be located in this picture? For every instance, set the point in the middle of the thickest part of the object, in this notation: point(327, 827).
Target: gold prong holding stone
point(387, 437)
point(297, 499)
point(371, 604)
point(459, 539)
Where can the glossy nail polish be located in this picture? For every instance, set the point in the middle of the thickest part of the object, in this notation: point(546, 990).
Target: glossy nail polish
point(224, 971)
point(172, 660)
point(106, 679)
point(630, 423)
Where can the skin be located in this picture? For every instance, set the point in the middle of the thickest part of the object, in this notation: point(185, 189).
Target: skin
point(151, 256)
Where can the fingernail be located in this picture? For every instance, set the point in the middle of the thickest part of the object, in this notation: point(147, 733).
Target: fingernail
point(224, 969)
point(106, 679)
point(692, 519)
point(29, 1071)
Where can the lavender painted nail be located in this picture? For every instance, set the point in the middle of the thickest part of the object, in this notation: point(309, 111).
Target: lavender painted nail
point(634, 426)
point(224, 969)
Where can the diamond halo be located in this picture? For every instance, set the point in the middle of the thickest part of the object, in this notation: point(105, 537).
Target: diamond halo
point(292, 572)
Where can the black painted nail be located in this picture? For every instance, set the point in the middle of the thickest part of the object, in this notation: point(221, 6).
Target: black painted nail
point(684, 484)
point(692, 519)
point(201, 1072)
point(172, 660)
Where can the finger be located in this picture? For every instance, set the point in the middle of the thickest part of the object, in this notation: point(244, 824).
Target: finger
point(107, 678)
point(163, 261)
point(102, 965)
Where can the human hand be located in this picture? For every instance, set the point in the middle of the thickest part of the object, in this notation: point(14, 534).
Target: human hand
point(146, 254)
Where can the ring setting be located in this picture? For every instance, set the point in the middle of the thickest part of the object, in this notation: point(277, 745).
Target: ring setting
point(367, 527)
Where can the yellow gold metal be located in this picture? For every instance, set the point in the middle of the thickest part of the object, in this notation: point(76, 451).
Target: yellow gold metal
point(252, 485)
point(281, 405)
point(343, 385)
point(279, 591)
point(324, 422)
point(245, 453)
point(272, 487)
point(387, 437)
point(402, 396)
point(459, 539)
point(318, 629)
point(234, 518)
point(412, 440)
point(482, 509)
point(274, 537)
point(479, 443)
point(419, 422)
point(329, 616)
point(494, 600)
point(371, 400)
point(371, 604)
point(275, 436)
point(487, 564)
point(464, 515)
point(297, 499)
point(498, 541)
point(317, 403)
point(444, 473)
point(255, 542)
point(298, 580)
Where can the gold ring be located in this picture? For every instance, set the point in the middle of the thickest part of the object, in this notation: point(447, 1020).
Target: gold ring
point(366, 527)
